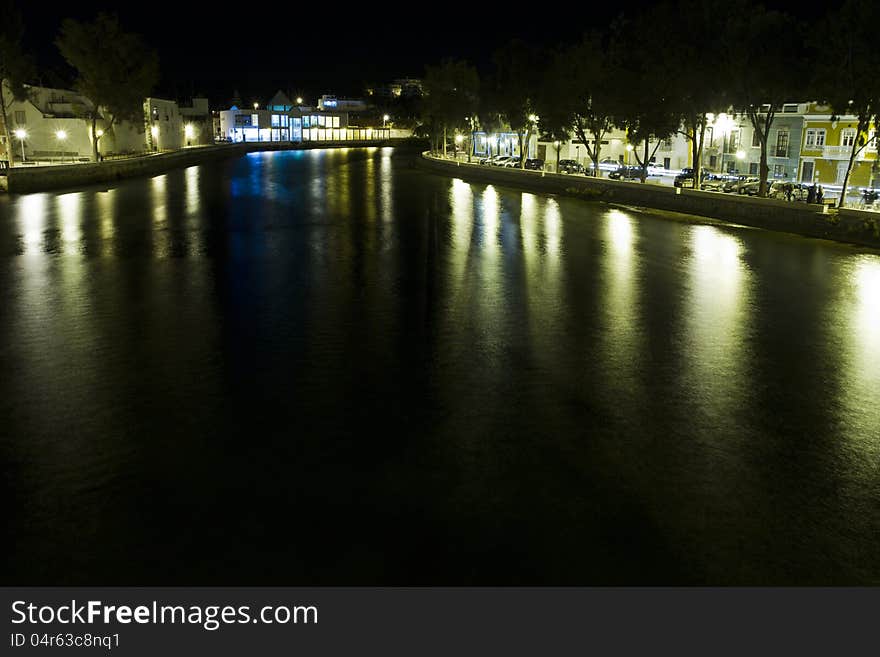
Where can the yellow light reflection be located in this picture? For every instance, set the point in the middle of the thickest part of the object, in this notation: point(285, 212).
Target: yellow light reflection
point(370, 174)
point(461, 200)
point(528, 220)
point(717, 319)
point(385, 179)
point(553, 229)
point(159, 233)
point(32, 221)
point(865, 324)
point(69, 213)
point(105, 201)
point(191, 190)
point(621, 312)
point(491, 220)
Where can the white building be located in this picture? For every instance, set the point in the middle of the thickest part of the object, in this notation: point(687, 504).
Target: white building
point(329, 102)
point(294, 125)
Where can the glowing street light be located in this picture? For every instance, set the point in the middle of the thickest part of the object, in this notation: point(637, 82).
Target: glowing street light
point(299, 100)
point(458, 139)
point(385, 117)
point(740, 154)
point(61, 135)
point(256, 105)
point(21, 135)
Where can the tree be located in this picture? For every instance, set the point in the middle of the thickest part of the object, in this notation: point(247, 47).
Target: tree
point(451, 98)
point(591, 99)
point(646, 112)
point(693, 83)
point(758, 90)
point(516, 82)
point(14, 65)
point(115, 70)
point(848, 62)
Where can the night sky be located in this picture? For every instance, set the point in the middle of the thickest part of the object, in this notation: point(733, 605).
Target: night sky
point(309, 48)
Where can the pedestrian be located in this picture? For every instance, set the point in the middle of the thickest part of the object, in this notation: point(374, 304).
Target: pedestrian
point(820, 195)
point(788, 191)
point(811, 194)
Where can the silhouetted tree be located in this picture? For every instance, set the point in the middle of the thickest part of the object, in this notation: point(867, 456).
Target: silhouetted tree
point(115, 70)
point(764, 70)
point(847, 68)
point(515, 87)
point(14, 65)
point(451, 97)
point(592, 99)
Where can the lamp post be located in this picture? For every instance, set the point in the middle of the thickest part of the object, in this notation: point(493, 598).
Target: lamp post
point(629, 149)
point(21, 135)
point(458, 139)
point(385, 117)
point(61, 136)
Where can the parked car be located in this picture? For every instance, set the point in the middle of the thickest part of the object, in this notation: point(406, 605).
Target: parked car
point(609, 164)
point(499, 160)
point(714, 183)
point(788, 190)
point(686, 177)
point(512, 162)
point(655, 169)
point(570, 166)
point(535, 164)
point(750, 187)
point(491, 160)
point(734, 182)
point(626, 173)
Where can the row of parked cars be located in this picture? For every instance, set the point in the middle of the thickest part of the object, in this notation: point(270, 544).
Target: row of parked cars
point(740, 184)
point(512, 162)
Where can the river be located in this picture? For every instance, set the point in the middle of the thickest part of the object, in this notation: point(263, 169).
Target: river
point(327, 367)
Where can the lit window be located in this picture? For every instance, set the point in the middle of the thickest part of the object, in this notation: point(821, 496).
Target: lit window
point(255, 120)
point(847, 137)
point(335, 121)
point(276, 120)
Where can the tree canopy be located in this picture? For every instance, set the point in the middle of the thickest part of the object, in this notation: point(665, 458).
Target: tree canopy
point(115, 69)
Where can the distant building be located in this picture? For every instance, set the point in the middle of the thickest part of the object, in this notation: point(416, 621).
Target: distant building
point(198, 123)
point(328, 102)
point(56, 127)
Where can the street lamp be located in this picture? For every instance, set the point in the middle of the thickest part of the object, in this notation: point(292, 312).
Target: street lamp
point(256, 105)
point(299, 100)
point(385, 117)
point(21, 135)
point(61, 136)
point(188, 133)
point(629, 149)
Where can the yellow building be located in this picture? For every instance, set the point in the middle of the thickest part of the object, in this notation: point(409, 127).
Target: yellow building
point(826, 146)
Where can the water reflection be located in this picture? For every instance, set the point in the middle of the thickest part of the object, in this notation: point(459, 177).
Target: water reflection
point(858, 314)
point(192, 197)
point(620, 267)
point(564, 392)
point(32, 217)
point(490, 213)
point(717, 321)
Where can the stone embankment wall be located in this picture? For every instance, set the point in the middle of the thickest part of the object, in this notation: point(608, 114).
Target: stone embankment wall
point(853, 226)
point(38, 179)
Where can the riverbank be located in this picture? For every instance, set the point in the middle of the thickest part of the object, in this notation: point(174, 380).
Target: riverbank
point(22, 180)
point(846, 225)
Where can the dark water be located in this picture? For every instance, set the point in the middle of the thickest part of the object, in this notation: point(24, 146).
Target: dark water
point(325, 367)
